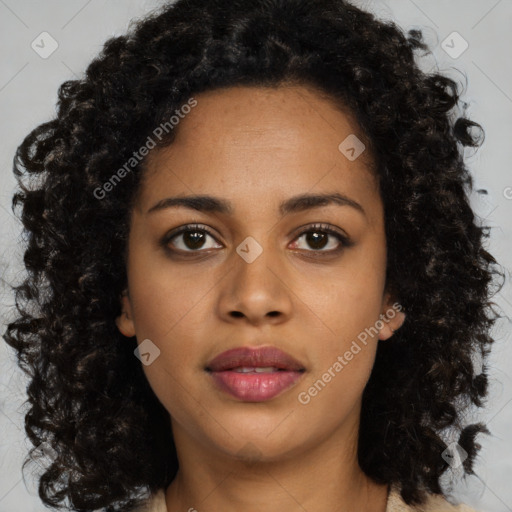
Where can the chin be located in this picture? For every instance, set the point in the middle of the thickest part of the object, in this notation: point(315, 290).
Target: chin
point(261, 442)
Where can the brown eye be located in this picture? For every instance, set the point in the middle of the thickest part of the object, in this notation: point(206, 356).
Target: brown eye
point(190, 238)
point(318, 237)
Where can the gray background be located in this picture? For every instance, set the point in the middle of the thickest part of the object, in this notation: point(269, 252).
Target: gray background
point(28, 88)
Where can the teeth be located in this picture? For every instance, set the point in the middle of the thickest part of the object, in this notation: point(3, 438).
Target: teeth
point(249, 369)
point(265, 369)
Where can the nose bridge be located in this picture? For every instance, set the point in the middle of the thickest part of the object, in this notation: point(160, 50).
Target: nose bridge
point(256, 287)
point(253, 266)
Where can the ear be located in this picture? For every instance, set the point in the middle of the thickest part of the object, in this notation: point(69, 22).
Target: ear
point(124, 321)
point(391, 318)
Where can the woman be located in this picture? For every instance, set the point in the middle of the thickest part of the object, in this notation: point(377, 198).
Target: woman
point(254, 278)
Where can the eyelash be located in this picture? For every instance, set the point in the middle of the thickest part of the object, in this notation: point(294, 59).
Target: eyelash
point(315, 228)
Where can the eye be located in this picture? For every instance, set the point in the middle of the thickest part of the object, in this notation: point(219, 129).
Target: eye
point(189, 238)
point(193, 237)
point(317, 237)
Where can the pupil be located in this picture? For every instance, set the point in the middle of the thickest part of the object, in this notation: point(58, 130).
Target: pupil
point(193, 239)
point(313, 238)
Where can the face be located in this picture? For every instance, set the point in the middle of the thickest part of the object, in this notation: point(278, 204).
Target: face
point(258, 267)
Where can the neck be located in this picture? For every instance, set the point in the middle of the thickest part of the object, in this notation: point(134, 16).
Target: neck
point(324, 478)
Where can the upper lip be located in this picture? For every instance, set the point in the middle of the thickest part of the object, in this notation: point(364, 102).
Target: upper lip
point(256, 357)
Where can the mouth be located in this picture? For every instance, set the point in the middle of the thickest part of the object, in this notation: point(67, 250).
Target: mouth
point(255, 374)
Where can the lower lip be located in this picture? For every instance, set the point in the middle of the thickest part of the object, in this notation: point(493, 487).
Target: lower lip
point(255, 387)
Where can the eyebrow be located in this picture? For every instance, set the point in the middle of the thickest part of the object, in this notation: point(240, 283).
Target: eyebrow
point(212, 204)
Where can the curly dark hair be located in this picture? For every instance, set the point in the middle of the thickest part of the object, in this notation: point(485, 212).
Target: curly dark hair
point(89, 398)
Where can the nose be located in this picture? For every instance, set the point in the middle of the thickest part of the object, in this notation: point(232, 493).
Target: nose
point(256, 291)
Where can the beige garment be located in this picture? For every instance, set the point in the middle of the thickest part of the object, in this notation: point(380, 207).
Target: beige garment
point(395, 503)
point(435, 503)
point(155, 504)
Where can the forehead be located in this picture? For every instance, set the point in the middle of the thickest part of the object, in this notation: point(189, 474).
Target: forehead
point(261, 143)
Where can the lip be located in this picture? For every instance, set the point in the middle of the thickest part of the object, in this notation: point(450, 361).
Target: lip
point(257, 357)
point(253, 386)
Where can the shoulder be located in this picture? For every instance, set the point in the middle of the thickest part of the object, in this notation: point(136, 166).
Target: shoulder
point(434, 503)
point(156, 503)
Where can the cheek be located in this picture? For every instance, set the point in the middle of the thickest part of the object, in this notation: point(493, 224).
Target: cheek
point(344, 348)
point(167, 299)
point(346, 341)
point(171, 319)
point(333, 394)
point(169, 309)
point(348, 307)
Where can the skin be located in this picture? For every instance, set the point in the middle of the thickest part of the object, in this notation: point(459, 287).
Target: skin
point(257, 147)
